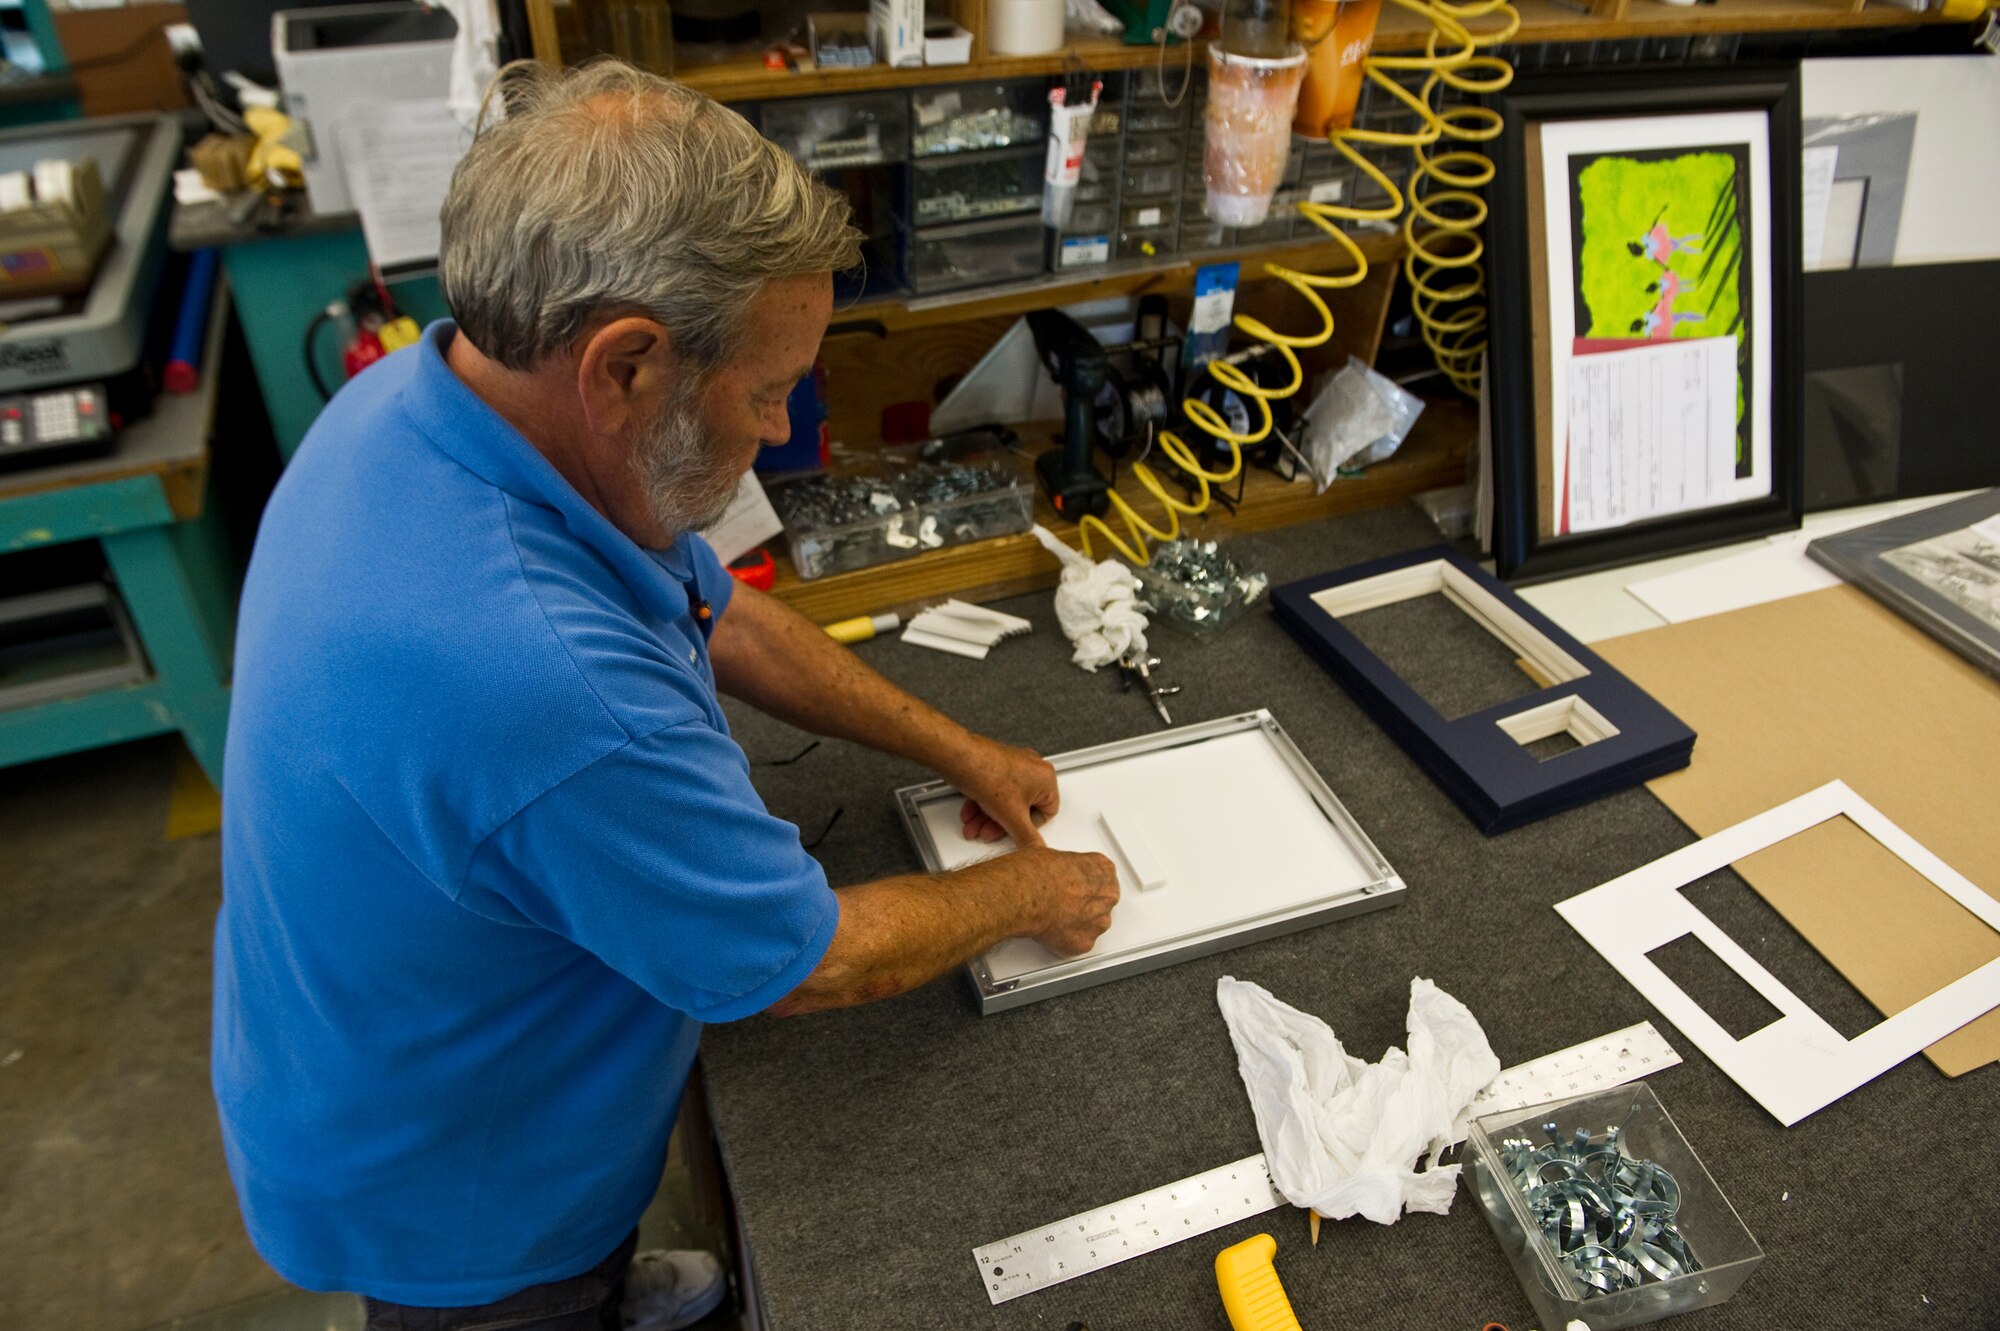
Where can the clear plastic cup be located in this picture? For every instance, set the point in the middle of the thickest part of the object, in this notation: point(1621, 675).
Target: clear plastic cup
point(1249, 136)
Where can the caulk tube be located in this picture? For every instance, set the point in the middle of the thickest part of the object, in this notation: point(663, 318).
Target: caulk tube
point(1249, 135)
point(1069, 132)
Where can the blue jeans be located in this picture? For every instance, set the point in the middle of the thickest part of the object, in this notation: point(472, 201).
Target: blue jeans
point(588, 1302)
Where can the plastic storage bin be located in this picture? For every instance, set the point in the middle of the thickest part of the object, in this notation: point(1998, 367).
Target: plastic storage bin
point(1145, 214)
point(1147, 243)
point(1152, 116)
point(971, 117)
point(1154, 149)
point(1704, 1218)
point(838, 523)
point(973, 254)
point(1081, 249)
point(825, 133)
point(962, 188)
point(974, 499)
point(1153, 182)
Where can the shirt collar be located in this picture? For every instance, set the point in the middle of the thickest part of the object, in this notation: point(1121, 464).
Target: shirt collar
point(461, 424)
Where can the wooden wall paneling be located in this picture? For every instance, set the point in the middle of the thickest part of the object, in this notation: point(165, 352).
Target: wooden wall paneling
point(1358, 315)
point(545, 32)
point(971, 15)
point(865, 372)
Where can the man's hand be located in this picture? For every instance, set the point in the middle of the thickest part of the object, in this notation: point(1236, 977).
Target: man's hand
point(897, 933)
point(1077, 892)
point(1004, 788)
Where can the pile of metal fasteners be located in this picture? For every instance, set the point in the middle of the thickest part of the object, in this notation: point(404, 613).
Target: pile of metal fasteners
point(970, 502)
point(1195, 585)
point(1609, 1216)
point(840, 523)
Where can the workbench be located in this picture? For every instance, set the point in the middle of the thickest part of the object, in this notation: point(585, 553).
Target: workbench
point(870, 1150)
point(146, 504)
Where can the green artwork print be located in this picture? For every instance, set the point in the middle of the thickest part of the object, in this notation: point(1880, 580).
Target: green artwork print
point(1657, 239)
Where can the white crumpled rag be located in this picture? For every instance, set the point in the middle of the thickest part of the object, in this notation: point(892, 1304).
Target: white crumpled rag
point(1343, 1136)
point(1097, 605)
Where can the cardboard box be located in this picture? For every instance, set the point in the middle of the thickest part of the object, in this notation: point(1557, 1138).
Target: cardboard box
point(1798, 692)
point(896, 28)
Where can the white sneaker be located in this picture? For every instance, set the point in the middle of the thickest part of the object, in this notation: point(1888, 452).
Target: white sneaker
point(665, 1291)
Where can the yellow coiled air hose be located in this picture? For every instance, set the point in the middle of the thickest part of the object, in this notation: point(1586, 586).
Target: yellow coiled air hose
point(1442, 267)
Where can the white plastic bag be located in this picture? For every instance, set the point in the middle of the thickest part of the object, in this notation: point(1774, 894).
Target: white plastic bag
point(1360, 417)
point(1342, 1136)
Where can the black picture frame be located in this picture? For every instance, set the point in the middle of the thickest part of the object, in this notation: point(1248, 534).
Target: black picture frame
point(1482, 760)
point(1521, 554)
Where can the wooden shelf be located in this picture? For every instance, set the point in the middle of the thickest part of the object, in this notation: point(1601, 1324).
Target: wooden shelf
point(1172, 273)
point(1434, 455)
point(744, 78)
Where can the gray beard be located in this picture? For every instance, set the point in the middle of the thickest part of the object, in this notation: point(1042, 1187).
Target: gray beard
point(688, 487)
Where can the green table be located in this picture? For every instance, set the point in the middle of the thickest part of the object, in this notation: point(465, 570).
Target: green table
point(147, 505)
point(281, 281)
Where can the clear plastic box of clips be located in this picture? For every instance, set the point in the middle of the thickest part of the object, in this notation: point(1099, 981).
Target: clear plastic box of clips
point(899, 505)
point(1605, 1212)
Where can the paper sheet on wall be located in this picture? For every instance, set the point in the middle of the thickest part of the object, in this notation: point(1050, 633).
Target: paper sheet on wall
point(1816, 193)
point(398, 157)
point(1652, 430)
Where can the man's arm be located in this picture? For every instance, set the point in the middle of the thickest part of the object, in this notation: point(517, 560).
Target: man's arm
point(778, 661)
point(897, 933)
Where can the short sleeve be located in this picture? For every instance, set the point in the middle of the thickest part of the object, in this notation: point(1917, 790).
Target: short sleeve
point(661, 860)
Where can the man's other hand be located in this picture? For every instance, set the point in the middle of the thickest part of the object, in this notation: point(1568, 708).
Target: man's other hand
point(1005, 788)
point(1076, 893)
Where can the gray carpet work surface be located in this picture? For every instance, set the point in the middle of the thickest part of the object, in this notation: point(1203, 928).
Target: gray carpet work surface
point(871, 1150)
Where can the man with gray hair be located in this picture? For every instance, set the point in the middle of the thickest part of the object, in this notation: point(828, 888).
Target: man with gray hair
point(490, 856)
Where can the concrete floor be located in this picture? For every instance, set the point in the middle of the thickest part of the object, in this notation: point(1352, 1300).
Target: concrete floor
point(116, 1212)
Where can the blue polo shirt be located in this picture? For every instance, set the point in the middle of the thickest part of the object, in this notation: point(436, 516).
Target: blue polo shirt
point(490, 858)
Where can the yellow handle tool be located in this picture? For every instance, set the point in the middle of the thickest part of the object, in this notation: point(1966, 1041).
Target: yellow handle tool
point(1251, 1294)
point(862, 627)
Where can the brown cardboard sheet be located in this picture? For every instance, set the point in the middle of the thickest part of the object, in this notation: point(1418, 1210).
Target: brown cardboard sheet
point(1792, 694)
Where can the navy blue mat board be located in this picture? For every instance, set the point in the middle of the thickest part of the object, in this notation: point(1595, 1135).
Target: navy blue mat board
point(871, 1150)
point(1498, 781)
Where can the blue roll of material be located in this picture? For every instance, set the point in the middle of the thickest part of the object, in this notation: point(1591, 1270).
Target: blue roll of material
point(183, 372)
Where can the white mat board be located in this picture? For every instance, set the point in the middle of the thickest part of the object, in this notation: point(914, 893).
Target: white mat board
point(1798, 1064)
point(1225, 822)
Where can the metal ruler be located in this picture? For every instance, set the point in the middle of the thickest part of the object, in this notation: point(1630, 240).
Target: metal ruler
point(1149, 1221)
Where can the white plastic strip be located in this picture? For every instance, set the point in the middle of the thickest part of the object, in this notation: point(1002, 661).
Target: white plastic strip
point(1130, 838)
point(917, 637)
point(1798, 1063)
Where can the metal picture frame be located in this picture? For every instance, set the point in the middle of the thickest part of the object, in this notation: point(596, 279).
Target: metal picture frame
point(1645, 155)
point(1938, 567)
point(1623, 735)
point(1379, 884)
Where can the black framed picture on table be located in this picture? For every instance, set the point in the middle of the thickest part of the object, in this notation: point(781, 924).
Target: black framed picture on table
point(1645, 384)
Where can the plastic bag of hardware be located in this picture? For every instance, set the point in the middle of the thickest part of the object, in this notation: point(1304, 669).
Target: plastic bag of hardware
point(1344, 1137)
point(1359, 418)
point(1198, 587)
